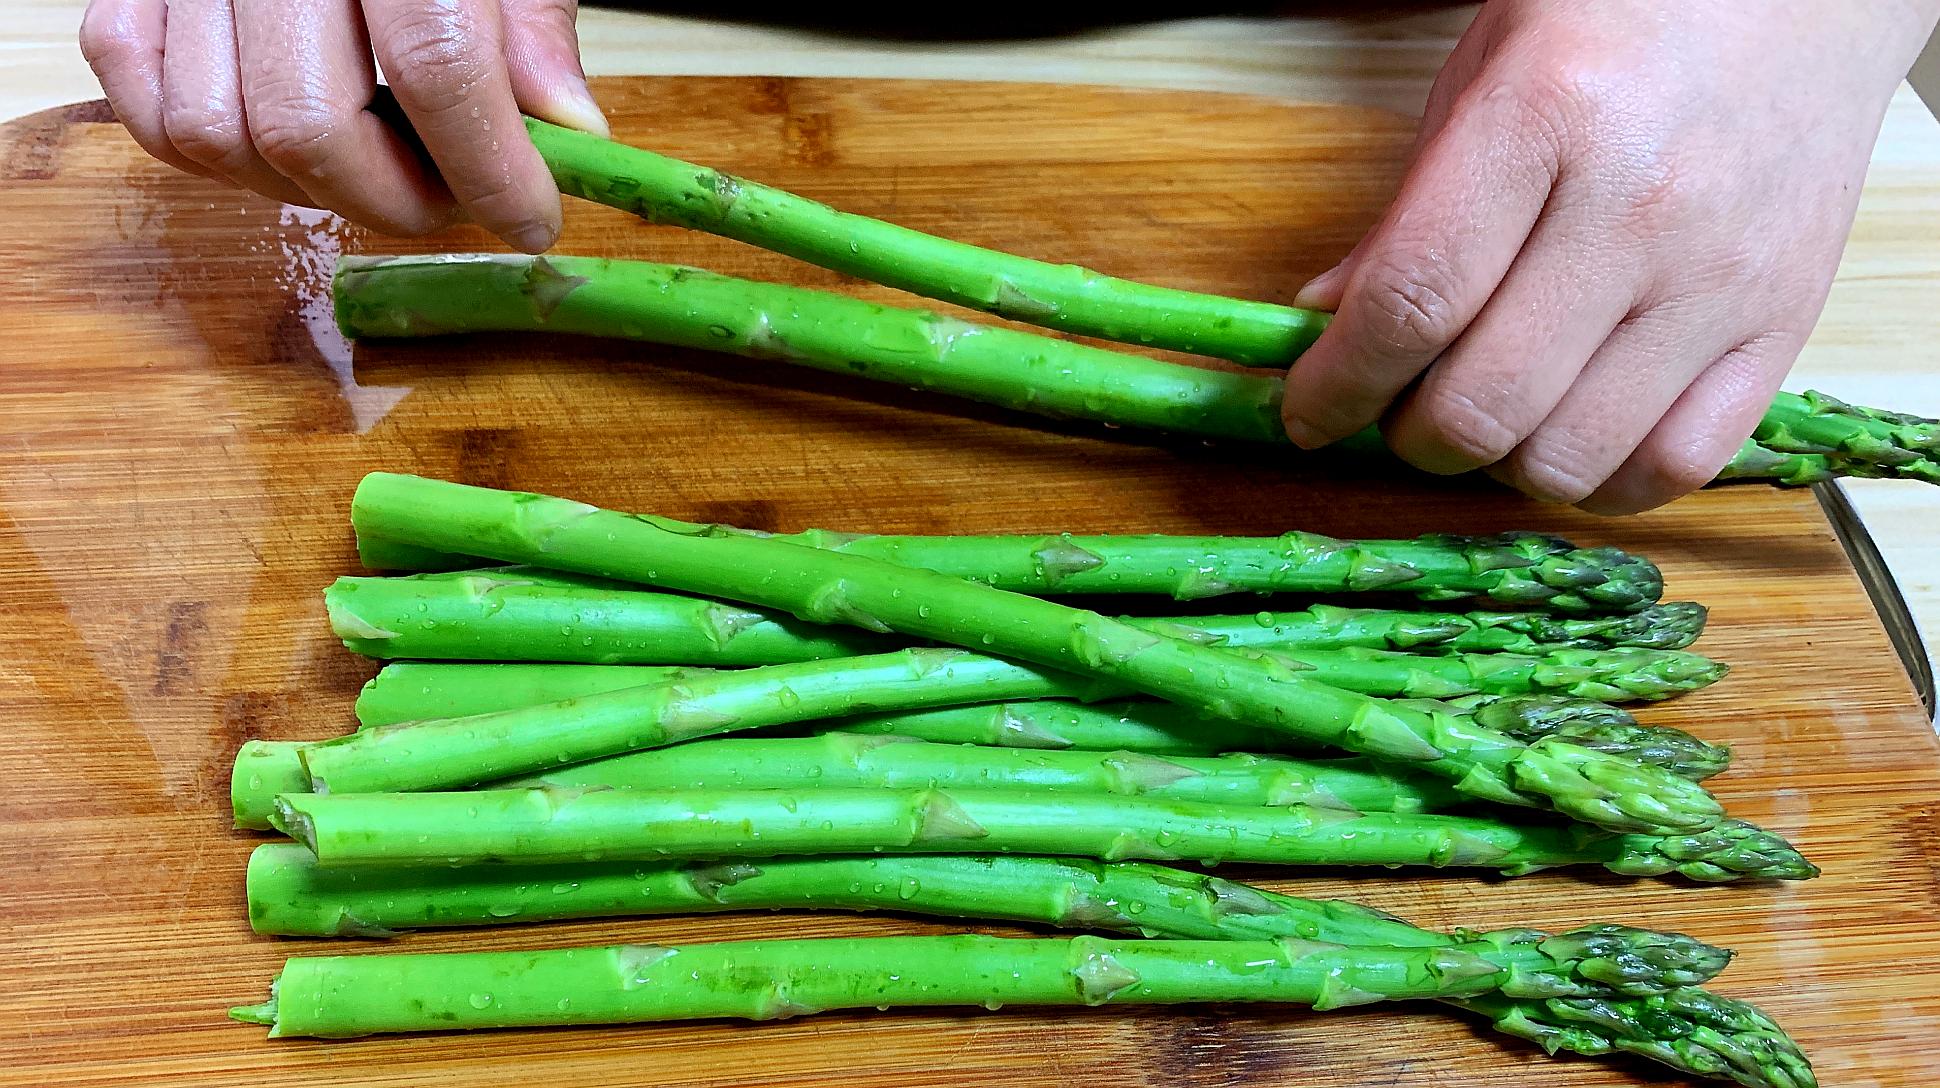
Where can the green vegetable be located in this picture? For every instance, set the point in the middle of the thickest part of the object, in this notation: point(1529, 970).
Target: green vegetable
point(265, 768)
point(686, 307)
point(544, 826)
point(290, 895)
point(407, 691)
point(530, 614)
point(833, 587)
point(348, 996)
point(1690, 1029)
point(1853, 440)
point(833, 760)
point(1058, 296)
point(444, 753)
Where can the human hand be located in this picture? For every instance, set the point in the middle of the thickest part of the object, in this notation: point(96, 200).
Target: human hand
point(1620, 224)
point(273, 96)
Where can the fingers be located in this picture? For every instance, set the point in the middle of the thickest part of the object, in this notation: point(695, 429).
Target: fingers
point(202, 102)
point(1704, 427)
point(1425, 272)
point(446, 63)
point(1491, 389)
point(542, 58)
point(306, 78)
point(122, 41)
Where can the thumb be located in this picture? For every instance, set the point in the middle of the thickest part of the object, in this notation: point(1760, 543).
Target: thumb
point(542, 53)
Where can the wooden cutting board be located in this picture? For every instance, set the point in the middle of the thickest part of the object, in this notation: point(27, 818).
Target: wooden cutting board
point(181, 428)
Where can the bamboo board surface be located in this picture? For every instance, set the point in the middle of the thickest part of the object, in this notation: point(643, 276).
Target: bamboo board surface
point(181, 428)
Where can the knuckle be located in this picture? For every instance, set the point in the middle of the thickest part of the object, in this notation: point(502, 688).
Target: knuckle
point(210, 137)
point(1413, 306)
point(434, 56)
point(1556, 470)
point(298, 134)
point(105, 36)
point(1466, 425)
point(1677, 472)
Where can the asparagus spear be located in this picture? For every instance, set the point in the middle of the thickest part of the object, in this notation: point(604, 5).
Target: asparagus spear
point(265, 768)
point(685, 307)
point(407, 691)
point(542, 826)
point(449, 752)
point(290, 895)
point(530, 614)
point(1690, 1029)
point(1852, 439)
point(828, 586)
point(442, 753)
point(1522, 569)
point(833, 760)
point(1058, 296)
point(348, 996)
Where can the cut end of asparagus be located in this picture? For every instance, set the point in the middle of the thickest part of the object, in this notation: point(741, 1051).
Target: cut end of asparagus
point(1732, 850)
point(264, 769)
point(1609, 792)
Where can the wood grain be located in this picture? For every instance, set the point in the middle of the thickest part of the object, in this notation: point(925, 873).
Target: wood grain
point(182, 429)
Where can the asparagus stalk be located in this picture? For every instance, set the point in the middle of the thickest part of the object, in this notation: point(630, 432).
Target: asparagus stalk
point(1522, 569)
point(685, 307)
point(349, 996)
point(828, 586)
point(451, 752)
point(530, 614)
point(443, 753)
point(1853, 440)
point(837, 760)
point(408, 691)
point(265, 768)
point(540, 826)
point(289, 894)
point(1058, 296)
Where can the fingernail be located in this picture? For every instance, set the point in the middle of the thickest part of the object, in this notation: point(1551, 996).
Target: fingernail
point(1303, 434)
point(1322, 292)
point(576, 109)
point(535, 238)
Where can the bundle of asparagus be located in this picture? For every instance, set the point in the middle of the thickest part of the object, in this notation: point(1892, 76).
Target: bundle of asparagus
point(1802, 439)
point(643, 716)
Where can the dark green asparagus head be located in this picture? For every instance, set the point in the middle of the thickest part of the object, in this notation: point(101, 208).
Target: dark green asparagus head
point(1696, 1031)
point(1851, 440)
point(1732, 850)
point(1601, 959)
point(1599, 727)
point(1626, 673)
point(1657, 745)
point(1669, 626)
point(1531, 569)
point(1611, 792)
point(1529, 717)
